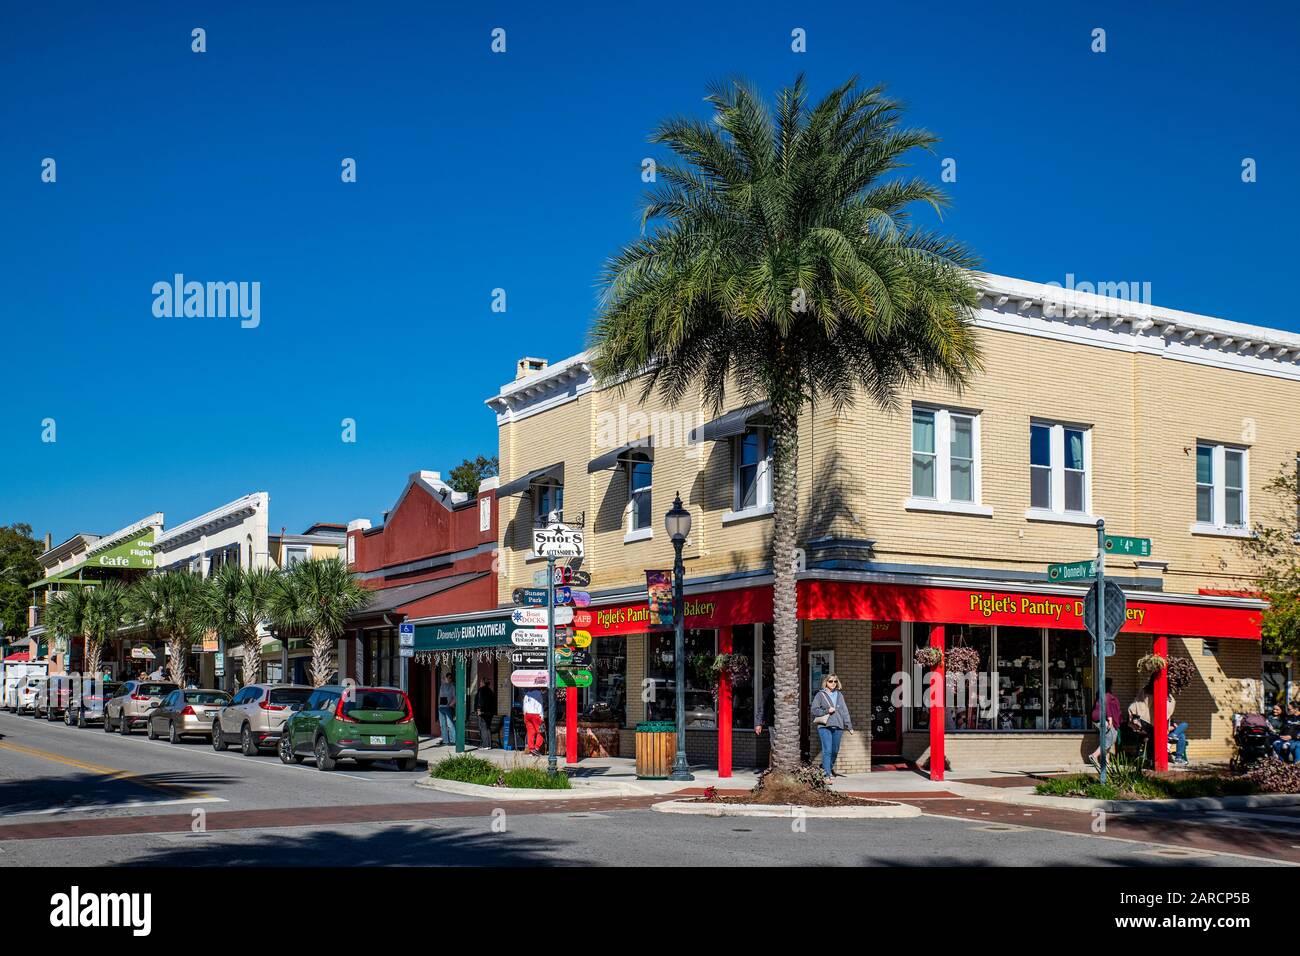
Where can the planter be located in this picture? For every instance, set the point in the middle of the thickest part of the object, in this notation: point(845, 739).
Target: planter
point(656, 745)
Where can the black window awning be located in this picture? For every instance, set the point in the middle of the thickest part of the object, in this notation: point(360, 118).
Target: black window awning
point(521, 485)
point(639, 446)
point(731, 424)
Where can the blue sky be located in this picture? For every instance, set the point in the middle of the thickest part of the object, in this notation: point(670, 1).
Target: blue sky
point(522, 171)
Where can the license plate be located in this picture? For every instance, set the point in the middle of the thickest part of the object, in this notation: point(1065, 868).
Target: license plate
point(379, 740)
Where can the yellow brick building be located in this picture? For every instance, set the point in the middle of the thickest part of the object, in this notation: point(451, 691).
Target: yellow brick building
point(1166, 424)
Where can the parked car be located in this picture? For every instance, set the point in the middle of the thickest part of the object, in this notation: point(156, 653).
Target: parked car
point(131, 703)
point(53, 696)
point(359, 723)
point(26, 693)
point(256, 715)
point(186, 713)
point(86, 706)
point(15, 673)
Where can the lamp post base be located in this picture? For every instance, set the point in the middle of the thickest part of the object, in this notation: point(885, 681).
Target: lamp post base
point(681, 770)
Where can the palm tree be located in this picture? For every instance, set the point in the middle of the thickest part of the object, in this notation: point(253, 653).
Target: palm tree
point(177, 616)
point(783, 264)
point(106, 612)
point(65, 616)
point(146, 601)
point(236, 604)
point(317, 597)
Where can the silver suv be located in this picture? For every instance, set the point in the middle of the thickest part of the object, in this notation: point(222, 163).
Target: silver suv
point(131, 703)
point(256, 716)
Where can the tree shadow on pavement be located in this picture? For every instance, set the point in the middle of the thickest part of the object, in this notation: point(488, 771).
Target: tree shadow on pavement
point(75, 790)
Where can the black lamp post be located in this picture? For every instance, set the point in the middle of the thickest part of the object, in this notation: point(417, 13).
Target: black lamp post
point(678, 523)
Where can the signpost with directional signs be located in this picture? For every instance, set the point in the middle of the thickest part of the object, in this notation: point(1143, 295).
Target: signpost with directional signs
point(1122, 544)
point(1074, 571)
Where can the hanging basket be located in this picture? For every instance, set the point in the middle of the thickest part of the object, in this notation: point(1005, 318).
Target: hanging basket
point(1150, 664)
point(928, 657)
point(1181, 672)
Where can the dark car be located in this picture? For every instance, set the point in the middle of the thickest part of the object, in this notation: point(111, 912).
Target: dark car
point(86, 705)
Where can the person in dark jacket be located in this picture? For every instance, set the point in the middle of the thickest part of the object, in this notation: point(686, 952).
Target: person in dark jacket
point(485, 708)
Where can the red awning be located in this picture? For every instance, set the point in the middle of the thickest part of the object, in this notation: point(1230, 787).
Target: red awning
point(18, 658)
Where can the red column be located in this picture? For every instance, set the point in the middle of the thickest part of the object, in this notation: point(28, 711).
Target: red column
point(724, 708)
point(936, 710)
point(1160, 707)
point(571, 725)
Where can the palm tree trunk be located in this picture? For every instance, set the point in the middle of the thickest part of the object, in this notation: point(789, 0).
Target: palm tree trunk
point(322, 659)
point(252, 659)
point(176, 659)
point(784, 434)
point(94, 657)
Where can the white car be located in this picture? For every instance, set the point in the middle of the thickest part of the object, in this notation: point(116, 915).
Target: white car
point(28, 688)
point(14, 677)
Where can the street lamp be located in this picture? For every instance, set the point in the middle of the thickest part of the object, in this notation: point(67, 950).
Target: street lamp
point(678, 523)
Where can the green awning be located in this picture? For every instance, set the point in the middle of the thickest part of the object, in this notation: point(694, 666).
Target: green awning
point(483, 632)
point(64, 577)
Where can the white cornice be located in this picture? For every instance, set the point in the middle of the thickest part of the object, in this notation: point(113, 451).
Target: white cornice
point(154, 520)
point(235, 510)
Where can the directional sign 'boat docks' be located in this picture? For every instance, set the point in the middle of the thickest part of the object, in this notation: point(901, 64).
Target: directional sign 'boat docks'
point(536, 616)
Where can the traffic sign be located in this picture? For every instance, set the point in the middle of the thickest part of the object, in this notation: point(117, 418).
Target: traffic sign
point(563, 615)
point(406, 634)
point(1074, 571)
point(570, 678)
point(563, 594)
point(406, 651)
point(579, 578)
point(539, 579)
point(531, 678)
point(524, 637)
point(559, 541)
point(582, 638)
point(528, 658)
point(572, 657)
point(1122, 544)
point(581, 598)
point(1116, 610)
point(530, 597)
point(563, 574)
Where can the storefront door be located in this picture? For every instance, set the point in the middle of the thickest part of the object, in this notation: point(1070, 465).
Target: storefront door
point(886, 722)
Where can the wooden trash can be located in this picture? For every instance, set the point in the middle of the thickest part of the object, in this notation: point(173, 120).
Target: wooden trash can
point(656, 745)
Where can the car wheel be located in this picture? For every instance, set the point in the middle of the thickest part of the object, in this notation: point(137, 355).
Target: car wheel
point(408, 764)
point(323, 759)
point(172, 735)
point(286, 751)
point(124, 725)
point(81, 719)
point(108, 723)
point(218, 741)
point(50, 715)
point(247, 745)
point(150, 730)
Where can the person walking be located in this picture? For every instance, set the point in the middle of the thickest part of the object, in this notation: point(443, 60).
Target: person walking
point(766, 717)
point(533, 721)
point(1108, 735)
point(1141, 719)
point(830, 713)
point(447, 710)
point(485, 709)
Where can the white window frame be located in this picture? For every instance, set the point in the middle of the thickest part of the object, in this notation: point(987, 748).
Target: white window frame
point(635, 533)
point(942, 500)
point(763, 478)
point(1056, 511)
point(538, 517)
point(290, 549)
point(1216, 527)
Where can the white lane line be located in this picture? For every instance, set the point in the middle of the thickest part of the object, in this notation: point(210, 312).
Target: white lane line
point(117, 806)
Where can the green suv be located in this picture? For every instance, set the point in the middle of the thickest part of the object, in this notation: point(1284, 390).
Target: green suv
point(351, 723)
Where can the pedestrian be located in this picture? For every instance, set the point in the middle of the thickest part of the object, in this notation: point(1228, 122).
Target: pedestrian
point(1108, 736)
point(766, 717)
point(830, 712)
point(1285, 732)
point(447, 710)
point(485, 708)
point(533, 721)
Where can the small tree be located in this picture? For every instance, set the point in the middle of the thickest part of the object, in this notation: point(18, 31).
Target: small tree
point(65, 617)
point(237, 604)
point(106, 612)
point(466, 476)
point(317, 597)
point(1275, 561)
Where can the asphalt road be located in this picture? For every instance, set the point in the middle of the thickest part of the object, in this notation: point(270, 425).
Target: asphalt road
point(74, 797)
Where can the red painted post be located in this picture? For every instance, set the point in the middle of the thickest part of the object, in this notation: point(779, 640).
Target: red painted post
point(936, 709)
point(1160, 707)
point(724, 708)
point(571, 725)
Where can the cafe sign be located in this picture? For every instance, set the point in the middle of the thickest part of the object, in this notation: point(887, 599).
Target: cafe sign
point(135, 551)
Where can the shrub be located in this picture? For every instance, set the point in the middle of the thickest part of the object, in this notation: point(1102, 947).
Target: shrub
point(1273, 776)
point(466, 768)
point(533, 778)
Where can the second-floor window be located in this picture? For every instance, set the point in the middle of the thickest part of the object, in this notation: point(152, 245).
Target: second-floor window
point(639, 473)
point(1058, 468)
point(1220, 486)
point(752, 482)
point(549, 496)
point(945, 455)
point(294, 555)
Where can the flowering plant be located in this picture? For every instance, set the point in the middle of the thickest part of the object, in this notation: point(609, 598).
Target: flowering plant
point(928, 657)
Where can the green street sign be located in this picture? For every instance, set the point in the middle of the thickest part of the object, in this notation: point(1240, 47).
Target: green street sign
point(1074, 571)
point(568, 678)
point(1122, 544)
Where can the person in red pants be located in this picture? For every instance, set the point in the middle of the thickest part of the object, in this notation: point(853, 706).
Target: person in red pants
point(533, 720)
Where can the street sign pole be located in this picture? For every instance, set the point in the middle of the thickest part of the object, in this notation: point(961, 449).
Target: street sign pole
point(1099, 636)
point(550, 665)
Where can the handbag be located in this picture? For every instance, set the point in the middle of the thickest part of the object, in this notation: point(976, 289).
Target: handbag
point(823, 720)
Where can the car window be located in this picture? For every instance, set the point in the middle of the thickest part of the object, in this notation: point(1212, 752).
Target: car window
point(204, 696)
point(245, 695)
point(366, 699)
point(290, 695)
point(154, 689)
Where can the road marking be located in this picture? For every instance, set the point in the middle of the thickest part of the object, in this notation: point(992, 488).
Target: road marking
point(111, 773)
point(132, 804)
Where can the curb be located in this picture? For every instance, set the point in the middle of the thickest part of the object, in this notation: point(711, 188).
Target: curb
point(1243, 802)
point(786, 811)
point(518, 793)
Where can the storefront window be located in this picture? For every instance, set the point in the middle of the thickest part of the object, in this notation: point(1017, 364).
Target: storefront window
point(1069, 680)
point(972, 699)
point(742, 696)
point(606, 698)
point(1020, 678)
point(382, 661)
point(662, 678)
